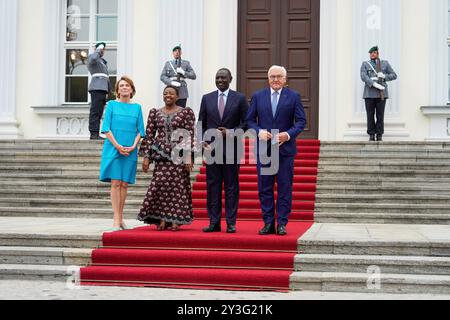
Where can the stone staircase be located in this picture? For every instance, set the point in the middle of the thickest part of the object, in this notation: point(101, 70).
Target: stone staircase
point(380, 207)
point(55, 180)
point(384, 206)
point(384, 183)
point(59, 179)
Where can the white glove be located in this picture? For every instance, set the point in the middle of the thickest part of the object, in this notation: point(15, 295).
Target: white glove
point(175, 84)
point(181, 71)
point(381, 75)
point(379, 86)
point(101, 47)
point(374, 79)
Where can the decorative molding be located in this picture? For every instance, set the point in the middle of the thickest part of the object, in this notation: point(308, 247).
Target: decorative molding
point(328, 65)
point(439, 122)
point(9, 127)
point(393, 130)
point(64, 122)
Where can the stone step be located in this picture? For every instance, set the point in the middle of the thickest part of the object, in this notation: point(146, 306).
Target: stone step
point(376, 155)
point(382, 181)
point(398, 167)
point(395, 145)
point(362, 263)
point(362, 208)
point(369, 199)
point(382, 218)
point(382, 173)
point(45, 256)
point(73, 177)
point(380, 190)
point(363, 282)
point(67, 186)
point(57, 159)
point(36, 272)
point(141, 186)
point(85, 203)
point(376, 239)
point(69, 212)
point(35, 239)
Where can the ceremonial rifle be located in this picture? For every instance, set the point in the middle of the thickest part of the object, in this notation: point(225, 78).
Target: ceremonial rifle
point(380, 81)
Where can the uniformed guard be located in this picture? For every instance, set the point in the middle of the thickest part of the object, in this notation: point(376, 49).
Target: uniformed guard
point(99, 88)
point(176, 72)
point(375, 73)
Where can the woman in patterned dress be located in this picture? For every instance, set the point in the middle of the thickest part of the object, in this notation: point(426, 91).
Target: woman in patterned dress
point(168, 202)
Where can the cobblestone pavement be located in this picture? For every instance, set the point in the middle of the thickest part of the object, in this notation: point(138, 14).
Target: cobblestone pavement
point(43, 290)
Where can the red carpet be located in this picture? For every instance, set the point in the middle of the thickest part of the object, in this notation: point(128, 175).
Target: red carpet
point(193, 259)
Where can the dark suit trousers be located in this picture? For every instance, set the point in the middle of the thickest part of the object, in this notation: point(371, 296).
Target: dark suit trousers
point(98, 102)
point(216, 175)
point(375, 107)
point(266, 184)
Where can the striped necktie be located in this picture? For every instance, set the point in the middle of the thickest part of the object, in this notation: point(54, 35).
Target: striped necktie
point(275, 103)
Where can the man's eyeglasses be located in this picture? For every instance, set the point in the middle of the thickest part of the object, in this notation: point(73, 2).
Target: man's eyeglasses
point(280, 77)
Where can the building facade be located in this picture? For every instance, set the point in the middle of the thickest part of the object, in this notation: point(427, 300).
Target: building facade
point(322, 43)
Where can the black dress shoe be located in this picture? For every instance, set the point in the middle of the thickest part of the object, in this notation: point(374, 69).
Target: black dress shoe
point(268, 229)
point(281, 230)
point(372, 137)
point(213, 228)
point(231, 228)
point(379, 137)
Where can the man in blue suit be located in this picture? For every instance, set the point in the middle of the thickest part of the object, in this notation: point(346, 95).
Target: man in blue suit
point(280, 109)
point(223, 111)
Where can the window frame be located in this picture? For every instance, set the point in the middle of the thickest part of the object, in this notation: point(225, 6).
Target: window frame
point(89, 45)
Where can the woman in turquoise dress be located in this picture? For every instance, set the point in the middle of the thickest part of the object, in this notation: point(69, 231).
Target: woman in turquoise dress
point(123, 125)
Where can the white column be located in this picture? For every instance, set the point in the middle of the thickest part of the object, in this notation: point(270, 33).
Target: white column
point(220, 41)
point(54, 51)
point(437, 110)
point(376, 22)
point(8, 41)
point(438, 52)
point(125, 38)
point(228, 32)
point(327, 91)
point(180, 22)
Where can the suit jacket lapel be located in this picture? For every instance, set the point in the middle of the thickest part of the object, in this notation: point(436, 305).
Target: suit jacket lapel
point(269, 99)
point(215, 106)
point(228, 106)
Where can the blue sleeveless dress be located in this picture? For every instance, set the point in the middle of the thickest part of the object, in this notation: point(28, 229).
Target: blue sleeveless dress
point(124, 121)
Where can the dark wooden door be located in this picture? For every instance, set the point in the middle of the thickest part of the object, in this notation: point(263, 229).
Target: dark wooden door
point(286, 33)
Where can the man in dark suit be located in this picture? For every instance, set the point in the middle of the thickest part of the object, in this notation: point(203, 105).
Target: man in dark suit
point(223, 111)
point(276, 108)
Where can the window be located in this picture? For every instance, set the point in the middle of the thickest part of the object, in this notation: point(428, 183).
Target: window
point(88, 22)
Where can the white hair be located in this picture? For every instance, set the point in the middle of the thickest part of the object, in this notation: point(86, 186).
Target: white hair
point(282, 69)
